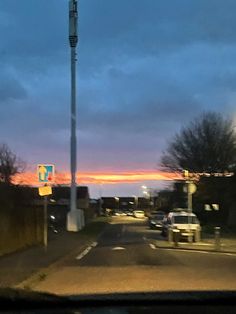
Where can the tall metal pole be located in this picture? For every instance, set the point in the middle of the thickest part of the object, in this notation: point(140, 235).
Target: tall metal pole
point(73, 38)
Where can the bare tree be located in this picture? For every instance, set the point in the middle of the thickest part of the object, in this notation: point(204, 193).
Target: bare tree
point(207, 144)
point(10, 164)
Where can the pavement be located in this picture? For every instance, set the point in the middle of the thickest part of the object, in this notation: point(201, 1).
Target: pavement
point(16, 268)
point(208, 244)
point(126, 258)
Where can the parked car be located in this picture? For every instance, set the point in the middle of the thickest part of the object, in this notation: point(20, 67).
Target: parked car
point(139, 214)
point(186, 223)
point(119, 213)
point(155, 220)
point(129, 213)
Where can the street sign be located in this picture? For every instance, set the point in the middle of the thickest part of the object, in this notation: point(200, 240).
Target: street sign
point(45, 172)
point(45, 190)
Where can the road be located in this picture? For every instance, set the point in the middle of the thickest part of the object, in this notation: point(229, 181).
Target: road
point(125, 260)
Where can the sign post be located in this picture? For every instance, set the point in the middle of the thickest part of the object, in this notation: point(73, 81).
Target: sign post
point(45, 226)
point(191, 190)
point(45, 174)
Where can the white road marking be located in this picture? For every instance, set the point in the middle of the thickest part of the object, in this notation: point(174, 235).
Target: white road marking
point(94, 244)
point(118, 248)
point(152, 246)
point(85, 252)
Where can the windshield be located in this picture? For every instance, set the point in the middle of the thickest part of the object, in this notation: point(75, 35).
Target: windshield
point(158, 217)
point(116, 115)
point(185, 220)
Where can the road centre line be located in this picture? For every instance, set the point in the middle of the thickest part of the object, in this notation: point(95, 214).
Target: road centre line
point(118, 248)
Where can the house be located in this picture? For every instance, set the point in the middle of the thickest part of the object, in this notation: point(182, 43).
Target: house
point(61, 196)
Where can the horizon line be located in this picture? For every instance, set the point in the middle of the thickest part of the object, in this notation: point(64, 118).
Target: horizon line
point(100, 177)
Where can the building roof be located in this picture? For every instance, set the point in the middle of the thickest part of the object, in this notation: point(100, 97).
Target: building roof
point(64, 192)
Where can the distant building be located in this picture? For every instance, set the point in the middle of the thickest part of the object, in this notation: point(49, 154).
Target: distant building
point(125, 203)
point(61, 195)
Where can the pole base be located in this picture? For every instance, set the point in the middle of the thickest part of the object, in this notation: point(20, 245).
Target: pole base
point(75, 220)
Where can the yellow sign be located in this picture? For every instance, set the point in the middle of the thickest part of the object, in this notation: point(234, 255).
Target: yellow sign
point(192, 188)
point(45, 190)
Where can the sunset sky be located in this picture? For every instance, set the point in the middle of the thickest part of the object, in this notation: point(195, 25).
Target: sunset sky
point(145, 68)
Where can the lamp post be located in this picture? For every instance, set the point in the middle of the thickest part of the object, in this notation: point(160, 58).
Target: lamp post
point(149, 192)
point(117, 202)
point(117, 199)
point(100, 199)
point(135, 202)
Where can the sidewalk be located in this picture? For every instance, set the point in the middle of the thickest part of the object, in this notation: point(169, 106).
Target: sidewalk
point(18, 266)
point(227, 245)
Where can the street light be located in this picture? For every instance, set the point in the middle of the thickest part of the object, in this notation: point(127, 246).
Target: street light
point(100, 199)
point(117, 199)
point(135, 201)
point(149, 192)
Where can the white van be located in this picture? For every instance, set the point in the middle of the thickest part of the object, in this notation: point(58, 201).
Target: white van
point(187, 224)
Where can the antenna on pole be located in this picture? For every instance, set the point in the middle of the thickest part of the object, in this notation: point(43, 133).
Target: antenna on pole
point(73, 23)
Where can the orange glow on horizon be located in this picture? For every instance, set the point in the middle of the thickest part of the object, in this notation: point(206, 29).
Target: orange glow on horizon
point(29, 178)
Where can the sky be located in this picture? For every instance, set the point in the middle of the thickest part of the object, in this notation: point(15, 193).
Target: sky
point(145, 69)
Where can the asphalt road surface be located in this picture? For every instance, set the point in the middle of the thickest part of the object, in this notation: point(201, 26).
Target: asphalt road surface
point(125, 260)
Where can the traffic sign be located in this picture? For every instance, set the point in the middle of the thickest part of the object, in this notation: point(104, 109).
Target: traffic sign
point(192, 188)
point(45, 190)
point(45, 172)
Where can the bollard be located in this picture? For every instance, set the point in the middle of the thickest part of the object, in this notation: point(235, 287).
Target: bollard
point(170, 235)
point(176, 234)
point(217, 239)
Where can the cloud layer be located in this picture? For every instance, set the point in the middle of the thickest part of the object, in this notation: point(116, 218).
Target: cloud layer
point(144, 69)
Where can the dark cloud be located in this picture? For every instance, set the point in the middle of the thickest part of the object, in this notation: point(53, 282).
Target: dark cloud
point(11, 89)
